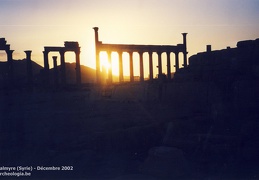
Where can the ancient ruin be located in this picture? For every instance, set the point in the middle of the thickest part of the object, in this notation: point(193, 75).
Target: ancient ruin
point(6, 48)
point(201, 124)
point(223, 65)
point(140, 49)
point(68, 46)
point(29, 70)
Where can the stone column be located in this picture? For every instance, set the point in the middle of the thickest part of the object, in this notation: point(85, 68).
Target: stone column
point(10, 65)
point(159, 63)
point(150, 65)
point(46, 67)
point(168, 65)
point(176, 61)
point(110, 69)
point(97, 52)
point(78, 68)
point(131, 66)
point(46, 60)
point(63, 67)
point(56, 78)
point(29, 68)
point(141, 67)
point(185, 50)
point(120, 67)
point(208, 48)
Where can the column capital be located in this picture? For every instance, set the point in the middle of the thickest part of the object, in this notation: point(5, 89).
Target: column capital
point(141, 52)
point(96, 29)
point(28, 52)
point(9, 51)
point(159, 53)
point(45, 52)
point(62, 51)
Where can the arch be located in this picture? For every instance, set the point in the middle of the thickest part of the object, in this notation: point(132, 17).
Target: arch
point(3, 56)
point(126, 69)
point(146, 65)
point(181, 60)
point(50, 55)
point(68, 46)
point(115, 66)
point(172, 58)
point(136, 67)
point(155, 65)
point(164, 62)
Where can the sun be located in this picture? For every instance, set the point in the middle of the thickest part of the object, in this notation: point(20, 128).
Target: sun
point(106, 65)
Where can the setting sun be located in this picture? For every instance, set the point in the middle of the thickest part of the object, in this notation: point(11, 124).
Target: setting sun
point(106, 65)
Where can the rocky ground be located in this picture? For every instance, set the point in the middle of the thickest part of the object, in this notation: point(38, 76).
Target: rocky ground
point(122, 133)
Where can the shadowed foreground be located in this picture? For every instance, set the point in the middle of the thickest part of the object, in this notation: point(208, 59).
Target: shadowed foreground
point(137, 131)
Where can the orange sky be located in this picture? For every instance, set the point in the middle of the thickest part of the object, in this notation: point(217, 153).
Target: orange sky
point(33, 24)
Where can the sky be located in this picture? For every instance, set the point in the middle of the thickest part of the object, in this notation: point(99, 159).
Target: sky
point(33, 24)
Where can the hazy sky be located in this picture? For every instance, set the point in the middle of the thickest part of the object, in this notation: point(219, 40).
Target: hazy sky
point(33, 24)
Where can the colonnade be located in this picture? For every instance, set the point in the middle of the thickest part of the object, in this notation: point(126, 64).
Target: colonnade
point(140, 49)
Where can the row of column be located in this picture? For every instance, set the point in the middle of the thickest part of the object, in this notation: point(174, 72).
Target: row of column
point(182, 49)
point(63, 66)
point(121, 76)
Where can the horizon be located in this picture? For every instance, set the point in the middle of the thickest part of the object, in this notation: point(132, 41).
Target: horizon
point(216, 23)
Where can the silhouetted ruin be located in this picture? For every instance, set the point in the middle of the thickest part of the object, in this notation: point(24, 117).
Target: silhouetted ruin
point(140, 49)
point(224, 65)
point(10, 76)
point(68, 46)
point(6, 48)
point(200, 124)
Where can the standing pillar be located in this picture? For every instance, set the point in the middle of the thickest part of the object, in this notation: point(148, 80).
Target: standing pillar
point(78, 69)
point(131, 66)
point(29, 69)
point(110, 68)
point(63, 67)
point(176, 61)
point(141, 71)
point(97, 52)
point(150, 65)
point(46, 67)
point(10, 66)
point(185, 50)
point(168, 65)
point(120, 67)
point(56, 78)
point(159, 64)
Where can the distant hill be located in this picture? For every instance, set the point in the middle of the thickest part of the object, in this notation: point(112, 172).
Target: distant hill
point(20, 70)
point(87, 74)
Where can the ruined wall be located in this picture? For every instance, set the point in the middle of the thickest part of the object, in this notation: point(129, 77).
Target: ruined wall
point(228, 64)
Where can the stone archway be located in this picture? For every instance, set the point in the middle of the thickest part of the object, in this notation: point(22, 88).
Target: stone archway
point(68, 46)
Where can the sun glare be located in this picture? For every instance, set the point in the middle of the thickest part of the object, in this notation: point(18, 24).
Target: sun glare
point(106, 65)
